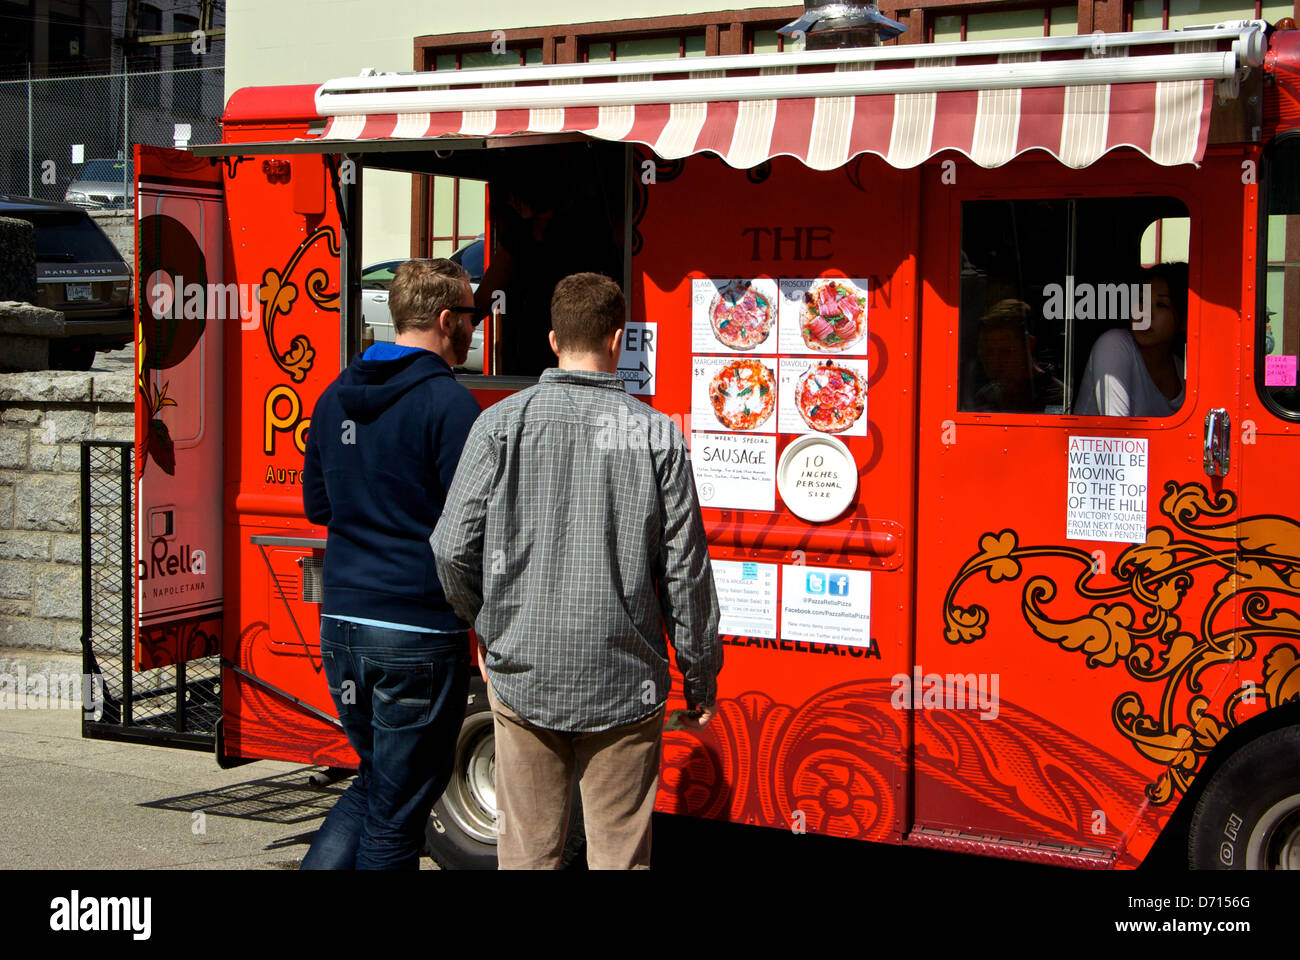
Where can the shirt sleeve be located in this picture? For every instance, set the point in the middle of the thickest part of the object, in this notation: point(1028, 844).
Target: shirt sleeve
point(457, 540)
point(687, 596)
point(1107, 387)
point(315, 498)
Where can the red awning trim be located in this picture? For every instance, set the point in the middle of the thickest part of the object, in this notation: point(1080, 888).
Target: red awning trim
point(988, 107)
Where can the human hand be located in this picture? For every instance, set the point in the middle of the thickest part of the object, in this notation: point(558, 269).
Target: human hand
point(482, 661)
point(697, 717)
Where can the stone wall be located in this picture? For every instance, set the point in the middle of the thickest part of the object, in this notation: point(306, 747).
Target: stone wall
point(120, 228)
point(43, 417)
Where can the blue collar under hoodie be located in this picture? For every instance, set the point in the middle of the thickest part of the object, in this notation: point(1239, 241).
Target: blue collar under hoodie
point(384, 442)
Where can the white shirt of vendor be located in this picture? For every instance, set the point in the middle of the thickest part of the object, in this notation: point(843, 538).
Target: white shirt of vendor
point(1116, 382)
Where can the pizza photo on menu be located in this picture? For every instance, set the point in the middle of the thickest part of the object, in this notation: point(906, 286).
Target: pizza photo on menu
point(743, 394)
point(833, 315)
point(741, 315)
point(830, 397)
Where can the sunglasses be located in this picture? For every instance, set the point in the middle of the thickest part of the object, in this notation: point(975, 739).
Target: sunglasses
point(469, 310)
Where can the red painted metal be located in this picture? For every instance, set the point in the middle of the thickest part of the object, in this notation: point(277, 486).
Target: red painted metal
point(1094, 743)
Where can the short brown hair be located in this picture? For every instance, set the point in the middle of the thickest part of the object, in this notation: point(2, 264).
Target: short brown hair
point(422, 289)
point(586, 309)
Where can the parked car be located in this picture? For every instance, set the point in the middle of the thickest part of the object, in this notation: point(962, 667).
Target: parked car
point(376, 279)
point(102, 183)
point(81, 274)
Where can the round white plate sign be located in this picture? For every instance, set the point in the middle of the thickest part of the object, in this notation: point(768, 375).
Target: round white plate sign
point(817, 478)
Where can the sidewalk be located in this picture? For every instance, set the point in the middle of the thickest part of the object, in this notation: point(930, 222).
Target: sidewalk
point(68, 803)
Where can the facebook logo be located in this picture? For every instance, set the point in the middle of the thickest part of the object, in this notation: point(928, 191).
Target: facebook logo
point(816, 582)
point(839, 584)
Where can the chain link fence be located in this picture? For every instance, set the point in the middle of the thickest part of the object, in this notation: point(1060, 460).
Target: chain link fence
point(62, 134)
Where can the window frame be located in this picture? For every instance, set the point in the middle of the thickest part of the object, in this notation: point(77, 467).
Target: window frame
point(1266, 162)
point(1135, 189)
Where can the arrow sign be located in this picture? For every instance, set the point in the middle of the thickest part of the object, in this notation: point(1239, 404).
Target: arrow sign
point(636, 363)
point(640, 375)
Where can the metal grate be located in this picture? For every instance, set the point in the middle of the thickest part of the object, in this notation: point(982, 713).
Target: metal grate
point(178, 705)
point(313, 590)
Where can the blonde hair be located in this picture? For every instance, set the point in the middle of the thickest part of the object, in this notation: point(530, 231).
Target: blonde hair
point(422, 289)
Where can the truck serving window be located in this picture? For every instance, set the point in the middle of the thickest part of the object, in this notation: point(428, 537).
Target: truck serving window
point(1277, 341)
point(1045, 282)
point(560, 212)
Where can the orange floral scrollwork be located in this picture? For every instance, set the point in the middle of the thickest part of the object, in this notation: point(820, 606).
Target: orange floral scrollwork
point(278, 294)
point(1137, 619)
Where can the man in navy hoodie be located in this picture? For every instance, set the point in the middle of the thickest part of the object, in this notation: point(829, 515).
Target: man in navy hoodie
point(383, 446)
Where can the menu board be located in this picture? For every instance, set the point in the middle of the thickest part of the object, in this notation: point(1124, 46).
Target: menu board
point(734, 471)
point(746, 598)
point(771, 356)
point(735, 315)
point(735, 395)
point(826, 316)
point(822, 396)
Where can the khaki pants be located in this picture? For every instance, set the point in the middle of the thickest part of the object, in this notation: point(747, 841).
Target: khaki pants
point(618, 774)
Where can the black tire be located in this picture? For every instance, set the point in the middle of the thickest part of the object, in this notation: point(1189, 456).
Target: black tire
point(460, 834)
point(1248, 818)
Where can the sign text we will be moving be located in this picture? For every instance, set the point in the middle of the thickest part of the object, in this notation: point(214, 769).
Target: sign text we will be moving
point(1106, 497)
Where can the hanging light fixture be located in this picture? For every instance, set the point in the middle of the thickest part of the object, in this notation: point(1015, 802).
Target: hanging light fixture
point(828, 25)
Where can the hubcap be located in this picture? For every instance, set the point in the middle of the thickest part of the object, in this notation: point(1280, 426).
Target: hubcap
point(1275, 842)
point(471, 797)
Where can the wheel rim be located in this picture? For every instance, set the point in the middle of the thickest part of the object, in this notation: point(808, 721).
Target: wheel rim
point(1275, 841)
point(471, 797)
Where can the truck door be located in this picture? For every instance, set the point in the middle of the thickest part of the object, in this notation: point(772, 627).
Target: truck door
point(179, 430)
point(1071, 568)
point(152, 533)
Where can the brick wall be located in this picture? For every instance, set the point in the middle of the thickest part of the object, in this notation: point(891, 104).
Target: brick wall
point(43, 417)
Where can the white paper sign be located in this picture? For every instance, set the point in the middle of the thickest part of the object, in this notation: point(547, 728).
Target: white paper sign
point(78, 153)
point(636, 363)
point(734, 471)
point(847, 337)
point(741, 400)
point(723, 294)
point(826, 605)
point(792, 371)
point(1106, 497)
point(747, 598)
point(817, 477)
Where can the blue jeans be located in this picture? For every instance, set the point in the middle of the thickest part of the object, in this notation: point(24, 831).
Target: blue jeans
point(401, 699)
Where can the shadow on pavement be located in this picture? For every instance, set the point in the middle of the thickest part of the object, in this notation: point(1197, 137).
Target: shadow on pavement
point(286, 798)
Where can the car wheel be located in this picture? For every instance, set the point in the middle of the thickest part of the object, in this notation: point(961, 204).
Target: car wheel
point(1249, 816)
point(66, 356)
point(461, 833)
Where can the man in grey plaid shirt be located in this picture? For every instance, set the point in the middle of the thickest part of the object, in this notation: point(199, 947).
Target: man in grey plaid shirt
point(570, 538)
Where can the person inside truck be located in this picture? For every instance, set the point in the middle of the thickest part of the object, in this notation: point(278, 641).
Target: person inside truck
point(544, 228)
point(1138, 371)
point(1013, 381)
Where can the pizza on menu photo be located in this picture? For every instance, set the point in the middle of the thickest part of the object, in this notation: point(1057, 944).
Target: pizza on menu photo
point(826, 316)
point(737, 314)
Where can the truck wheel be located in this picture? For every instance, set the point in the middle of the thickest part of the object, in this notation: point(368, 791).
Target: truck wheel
point(1249, 816)
point(461, 833)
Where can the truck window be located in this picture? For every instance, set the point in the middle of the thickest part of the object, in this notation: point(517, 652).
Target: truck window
point(1044, 282)
point(561, 212)
point(1277, 341)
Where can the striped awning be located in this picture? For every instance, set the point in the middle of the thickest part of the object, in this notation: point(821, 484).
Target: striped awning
point(1153, 94)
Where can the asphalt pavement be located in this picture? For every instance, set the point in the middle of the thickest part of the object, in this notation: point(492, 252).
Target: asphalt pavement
point(68, 803)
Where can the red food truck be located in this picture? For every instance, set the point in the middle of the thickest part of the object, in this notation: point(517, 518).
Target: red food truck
point(958, 613)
